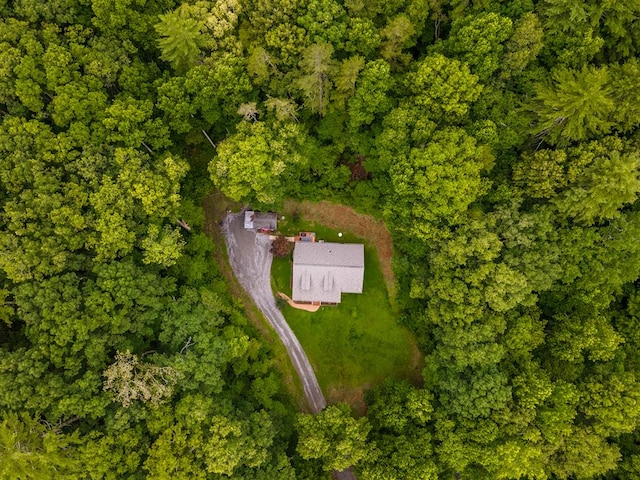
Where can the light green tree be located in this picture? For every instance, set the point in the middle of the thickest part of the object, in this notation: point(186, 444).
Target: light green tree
point(626, 95)
point(437, 183)
point(317, 68)
point(333, 437)
point(478, 41)
point(575, 105)
point(397, 36)
point(609, 183)
point(30, 450)
point(371, 96)
point(524, 45)
point(443, 88)
point(257, 161)
point(345, 80)
point(180, 40)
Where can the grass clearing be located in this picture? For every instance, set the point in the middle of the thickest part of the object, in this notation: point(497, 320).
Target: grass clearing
point(358, 343)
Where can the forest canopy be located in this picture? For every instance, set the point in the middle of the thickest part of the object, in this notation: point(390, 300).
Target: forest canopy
point(498, 140)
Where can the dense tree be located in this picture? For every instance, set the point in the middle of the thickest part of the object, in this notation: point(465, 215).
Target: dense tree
point(315, 82)
point(499, 141)
point(333, 437)
point(625, 95)
point(479, 42)
point(397, 36)
point(609, 20)
point(574, 106)
point(30, 449)
point(437, 183)
point(589, 183)
point(524, 45)
point(256, 162)
point(443, 88)
point(130, 21)
point(208, 96)
point(370, 96)
point(609, 180)
point(180, 40)
point(325, 21)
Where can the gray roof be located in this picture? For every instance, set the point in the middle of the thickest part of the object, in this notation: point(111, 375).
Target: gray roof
point(260, 220)
point(323, 271)
point(329, 254)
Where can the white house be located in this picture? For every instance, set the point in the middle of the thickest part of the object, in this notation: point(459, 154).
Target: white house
point(323, 271)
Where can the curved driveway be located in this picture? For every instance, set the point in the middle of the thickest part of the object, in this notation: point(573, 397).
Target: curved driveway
point(250, 259)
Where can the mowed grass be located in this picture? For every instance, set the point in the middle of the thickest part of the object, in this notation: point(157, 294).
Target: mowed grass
point(358, 343)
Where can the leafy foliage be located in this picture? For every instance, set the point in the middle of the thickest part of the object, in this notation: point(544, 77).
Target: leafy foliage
point(333, 437)
point(257, 160)
point(499, 141)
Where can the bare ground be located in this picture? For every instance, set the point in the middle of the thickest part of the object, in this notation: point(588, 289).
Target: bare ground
point(354, 396)
point(300, 306)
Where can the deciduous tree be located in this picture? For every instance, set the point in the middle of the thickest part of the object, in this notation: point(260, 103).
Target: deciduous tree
point(442, 88)
point(257, 161)
point(333, 437)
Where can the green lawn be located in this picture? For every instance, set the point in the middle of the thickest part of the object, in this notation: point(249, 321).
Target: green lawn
point(291, 226)
point(357, 343)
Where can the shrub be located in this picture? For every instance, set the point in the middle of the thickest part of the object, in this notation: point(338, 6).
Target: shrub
point(281, 247)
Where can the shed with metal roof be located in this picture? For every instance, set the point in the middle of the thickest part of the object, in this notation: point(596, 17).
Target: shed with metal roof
point(260, 220)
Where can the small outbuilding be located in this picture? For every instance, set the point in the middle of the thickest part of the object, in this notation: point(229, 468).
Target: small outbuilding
point(260, 220)
point(323, 271)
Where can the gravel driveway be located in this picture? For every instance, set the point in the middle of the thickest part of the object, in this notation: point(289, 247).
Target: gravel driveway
point(250, 260)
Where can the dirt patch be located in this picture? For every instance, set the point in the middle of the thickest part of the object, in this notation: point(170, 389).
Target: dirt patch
point(417, 365)
point(353, 396)
point(346, 218)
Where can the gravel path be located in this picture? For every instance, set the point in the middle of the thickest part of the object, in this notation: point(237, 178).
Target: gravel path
point(250, 260)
